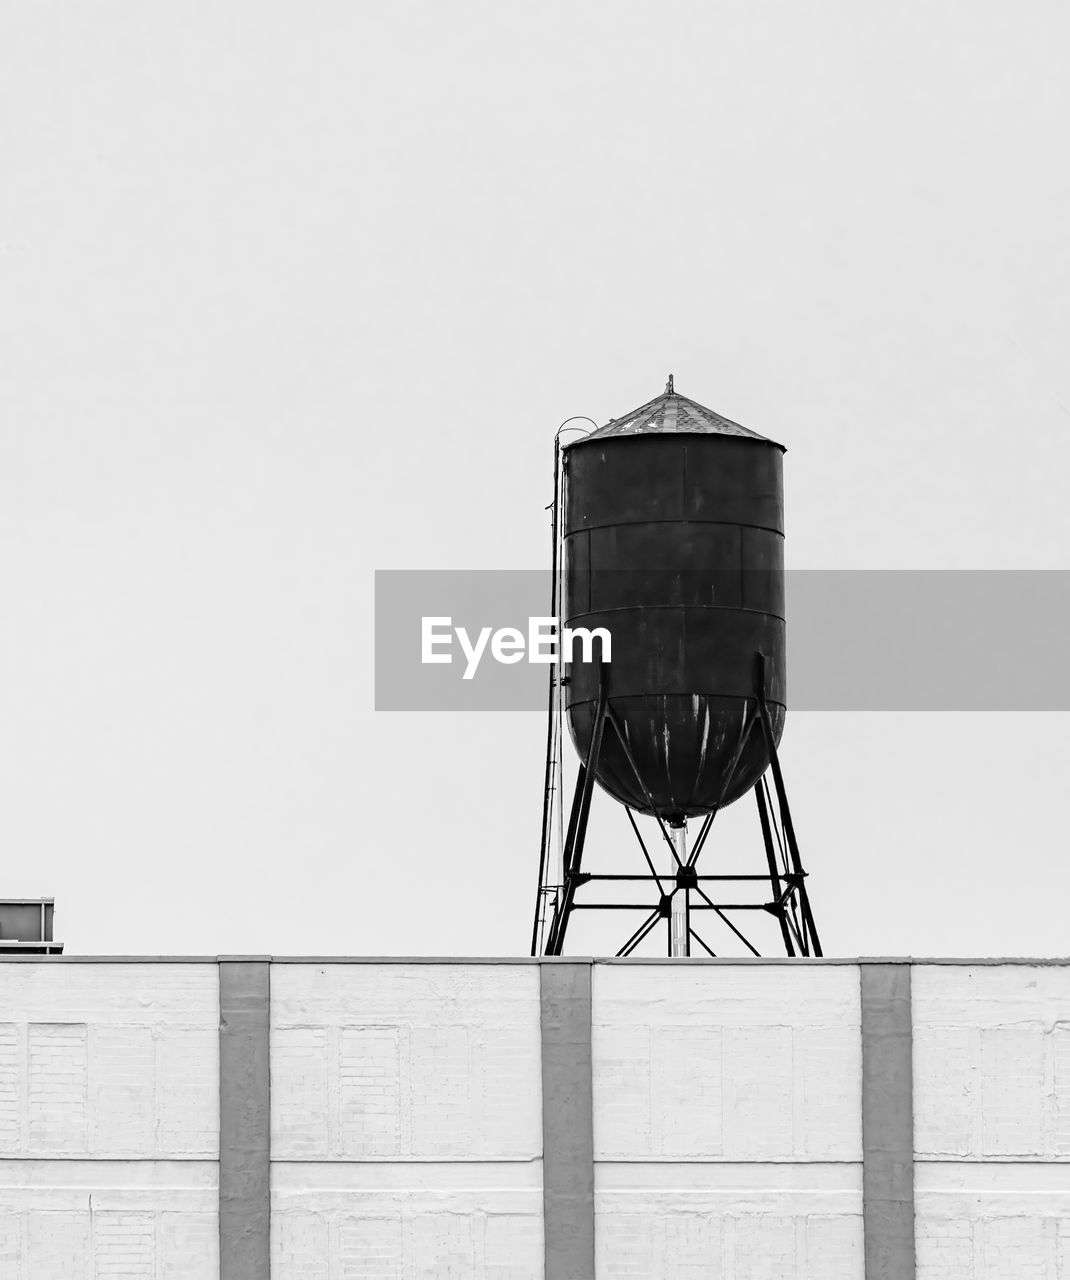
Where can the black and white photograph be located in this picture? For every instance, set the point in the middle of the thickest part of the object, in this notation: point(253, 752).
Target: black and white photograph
point(534, 696)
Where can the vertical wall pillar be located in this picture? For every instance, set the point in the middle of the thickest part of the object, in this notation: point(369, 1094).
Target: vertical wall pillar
point(244, 1120)
point(887, 1122)
point(567, 1120)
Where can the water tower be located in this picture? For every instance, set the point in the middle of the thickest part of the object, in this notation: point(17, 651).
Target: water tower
point(668, 533)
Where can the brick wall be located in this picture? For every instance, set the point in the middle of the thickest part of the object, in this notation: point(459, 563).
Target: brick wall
point(109, 1121)
point(992, 1121)
point(406, 1121)
point(727, 1121)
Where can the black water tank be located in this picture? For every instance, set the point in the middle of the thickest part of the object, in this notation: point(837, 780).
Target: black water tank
point(674, 542)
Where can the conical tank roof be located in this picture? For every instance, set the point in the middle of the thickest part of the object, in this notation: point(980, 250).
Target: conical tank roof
point(674, 414)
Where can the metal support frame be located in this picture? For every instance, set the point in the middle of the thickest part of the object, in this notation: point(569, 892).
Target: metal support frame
point(788, 900)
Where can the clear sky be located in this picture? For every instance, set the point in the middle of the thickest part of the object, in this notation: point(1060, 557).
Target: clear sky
point(289, 293)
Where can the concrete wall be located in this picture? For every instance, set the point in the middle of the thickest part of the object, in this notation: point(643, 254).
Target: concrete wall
point(751, 1121)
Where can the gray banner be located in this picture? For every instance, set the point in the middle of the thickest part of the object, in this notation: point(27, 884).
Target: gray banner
point(866, 640)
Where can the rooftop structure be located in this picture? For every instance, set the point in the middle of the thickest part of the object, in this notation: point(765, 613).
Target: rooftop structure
point(26, 927)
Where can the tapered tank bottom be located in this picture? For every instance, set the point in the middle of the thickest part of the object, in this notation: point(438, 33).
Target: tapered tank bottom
point(684, 747)
point(683, 685)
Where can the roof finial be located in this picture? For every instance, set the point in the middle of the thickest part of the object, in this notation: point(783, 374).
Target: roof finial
point(669, 389)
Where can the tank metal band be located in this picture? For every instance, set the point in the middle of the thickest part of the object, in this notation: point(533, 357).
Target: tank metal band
point(887, 1122)
point(244, 1120)
point(567, 1120)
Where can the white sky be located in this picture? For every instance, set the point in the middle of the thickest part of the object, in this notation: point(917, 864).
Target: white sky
point(289, 293)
